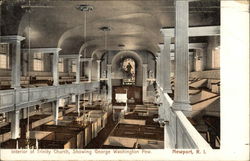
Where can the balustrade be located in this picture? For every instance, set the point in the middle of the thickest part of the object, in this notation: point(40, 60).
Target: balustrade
point(24, 97)
point(181, 132)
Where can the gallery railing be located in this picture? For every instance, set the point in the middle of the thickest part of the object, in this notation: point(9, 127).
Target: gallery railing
point(181, 132)
point(23, 97)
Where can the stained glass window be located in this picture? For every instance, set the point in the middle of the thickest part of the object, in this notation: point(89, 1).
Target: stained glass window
point(129, 69)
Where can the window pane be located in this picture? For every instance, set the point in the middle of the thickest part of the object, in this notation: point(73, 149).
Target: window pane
point(73, 66)
point(38, 62)
point(4, 58)
point(3, 61)
point(38, 65)
point(60, 65)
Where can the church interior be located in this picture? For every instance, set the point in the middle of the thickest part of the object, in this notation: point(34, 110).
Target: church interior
point(111, 74)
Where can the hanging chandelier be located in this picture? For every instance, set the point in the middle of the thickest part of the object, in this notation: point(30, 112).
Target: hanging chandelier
point(105, 29)
point(84, 8)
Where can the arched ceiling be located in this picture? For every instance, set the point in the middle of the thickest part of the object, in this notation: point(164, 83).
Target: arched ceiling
point(135, 23)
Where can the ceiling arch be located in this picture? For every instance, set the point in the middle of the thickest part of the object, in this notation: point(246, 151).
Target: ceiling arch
point(135, 24)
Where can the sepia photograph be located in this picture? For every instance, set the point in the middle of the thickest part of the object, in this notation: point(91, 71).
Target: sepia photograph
point(124, 80)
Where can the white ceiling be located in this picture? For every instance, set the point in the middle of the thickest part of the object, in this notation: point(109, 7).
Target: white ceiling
point(134, 23)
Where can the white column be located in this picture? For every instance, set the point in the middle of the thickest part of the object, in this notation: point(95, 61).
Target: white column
point(161, 67)
point(90, 98)
point(15, 127)
point(25, 63)
point(105, 93)
point(90, 69)
point(25, 113)
point(78, 70)
point(191, 62)
point(98, 69)
point(55, 109)
point(109, 75)
point(144, 82)
point(161, 108)
point(172, 67)
point(166, 64)
point(55, 69)
point(78, 104)
point(181, 95)
point(235, 58)
point(157, 59)
point(15, 42)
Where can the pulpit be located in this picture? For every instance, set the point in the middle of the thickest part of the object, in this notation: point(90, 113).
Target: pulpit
point(121, 106)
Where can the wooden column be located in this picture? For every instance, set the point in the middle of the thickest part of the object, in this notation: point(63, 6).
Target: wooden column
point(98, 69)
point(144, 82)
point(181, 95)
point(55, 109)
point(55, 69)
point(90, 70)
point(77, 97)
point(15, 45)
point(78, 69)
point(15, 124)
point(109, 75)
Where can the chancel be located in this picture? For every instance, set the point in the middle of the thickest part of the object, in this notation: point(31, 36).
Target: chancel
point(110, 74)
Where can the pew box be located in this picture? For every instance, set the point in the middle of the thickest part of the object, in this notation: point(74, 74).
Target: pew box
point(88, 133)
point(132, 135)
point(86, 128)
point(18, 143)
point(39, 119)
point(94, 127)
point(92, 107)
point(5, 133)
point(150, 144)
point(38, 134)
point(104, 119)
point(101, 118)
point(76, 131)
point(67, 109)
point(120, 141)
point(58, 140)
point(73, 116)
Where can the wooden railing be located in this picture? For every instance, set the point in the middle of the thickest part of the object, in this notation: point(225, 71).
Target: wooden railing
point(181, 132)
point(23, 97)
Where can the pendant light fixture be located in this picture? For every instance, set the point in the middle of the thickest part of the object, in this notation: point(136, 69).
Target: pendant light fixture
point(84, 8)
point(28, 10)
point(106, 29)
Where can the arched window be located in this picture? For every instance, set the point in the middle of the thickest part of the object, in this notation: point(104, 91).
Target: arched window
point(129, 70)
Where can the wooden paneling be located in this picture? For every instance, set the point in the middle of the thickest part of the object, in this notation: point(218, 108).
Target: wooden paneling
point(133, 92)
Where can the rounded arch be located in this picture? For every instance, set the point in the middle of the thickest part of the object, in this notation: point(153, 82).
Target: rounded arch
point(127, 53)
point(117, 74)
